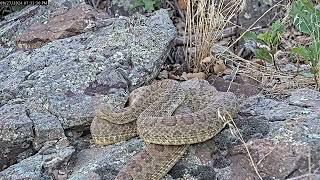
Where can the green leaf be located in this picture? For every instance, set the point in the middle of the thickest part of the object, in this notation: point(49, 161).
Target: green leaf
point(157, 3)
point(301, 51)
point(277, 26)
point(264, 54)
point(314, 50)
point(270, 38)
point(306, 17)
point(311, 53)
point(277, 30)
point(266, 38)
point(138, 3)
point(149, 5)
point(250, 36)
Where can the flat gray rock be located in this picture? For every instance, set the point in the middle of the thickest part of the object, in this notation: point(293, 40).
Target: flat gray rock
point(104, 162)
point(46, 164)
point(16, 133)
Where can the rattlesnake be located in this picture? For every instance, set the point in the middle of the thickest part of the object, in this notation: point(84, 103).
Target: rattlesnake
point(168, 116)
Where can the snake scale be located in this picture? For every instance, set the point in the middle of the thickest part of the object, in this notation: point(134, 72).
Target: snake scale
point(169, 116)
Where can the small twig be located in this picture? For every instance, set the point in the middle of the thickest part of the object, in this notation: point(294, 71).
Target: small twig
point(170, 58)
point(179, 10)
point(266, 155)
point(233, 77)
point(170, 4)
point(276, 5)
point(233, 124)
point(181, 41)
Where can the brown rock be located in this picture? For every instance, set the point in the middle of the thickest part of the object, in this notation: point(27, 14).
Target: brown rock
point(241, 90)
point(273, 160)
point(63, 24)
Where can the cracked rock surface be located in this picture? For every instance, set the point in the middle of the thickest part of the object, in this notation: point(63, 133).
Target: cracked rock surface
point(51, 92)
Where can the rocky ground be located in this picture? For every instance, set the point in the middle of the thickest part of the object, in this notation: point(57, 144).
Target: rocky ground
point(56, 70)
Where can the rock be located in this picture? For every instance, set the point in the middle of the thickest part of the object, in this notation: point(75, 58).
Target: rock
point(17, 23)
point(272, 110)
point(163, 74)
point(75, 111)
point(104, 162)
point(78, 19)
point(273, 160)
point(75, 74)
point(46, 127)
point(57, 87)
point(200, 75)
point(255, 9)
point(280, 136)
point(16, 133)
point(252, 126)
point(305, 98)
point(242, 89)
point(42, 165)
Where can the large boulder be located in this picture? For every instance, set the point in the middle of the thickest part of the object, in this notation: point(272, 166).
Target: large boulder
point(57, 86)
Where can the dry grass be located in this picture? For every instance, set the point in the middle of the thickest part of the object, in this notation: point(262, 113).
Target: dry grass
point(205, 20)
point(274, 82)
point(236, 132)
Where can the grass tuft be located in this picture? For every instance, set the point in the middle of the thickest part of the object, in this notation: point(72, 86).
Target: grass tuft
point(205, 21)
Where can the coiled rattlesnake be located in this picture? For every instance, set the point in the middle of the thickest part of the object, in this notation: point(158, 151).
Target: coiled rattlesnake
point(169, 116)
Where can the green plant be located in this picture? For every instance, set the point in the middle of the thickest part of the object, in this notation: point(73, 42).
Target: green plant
point(269, 41)
point(148, 5)
point(306, 18)
point(310, 53)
